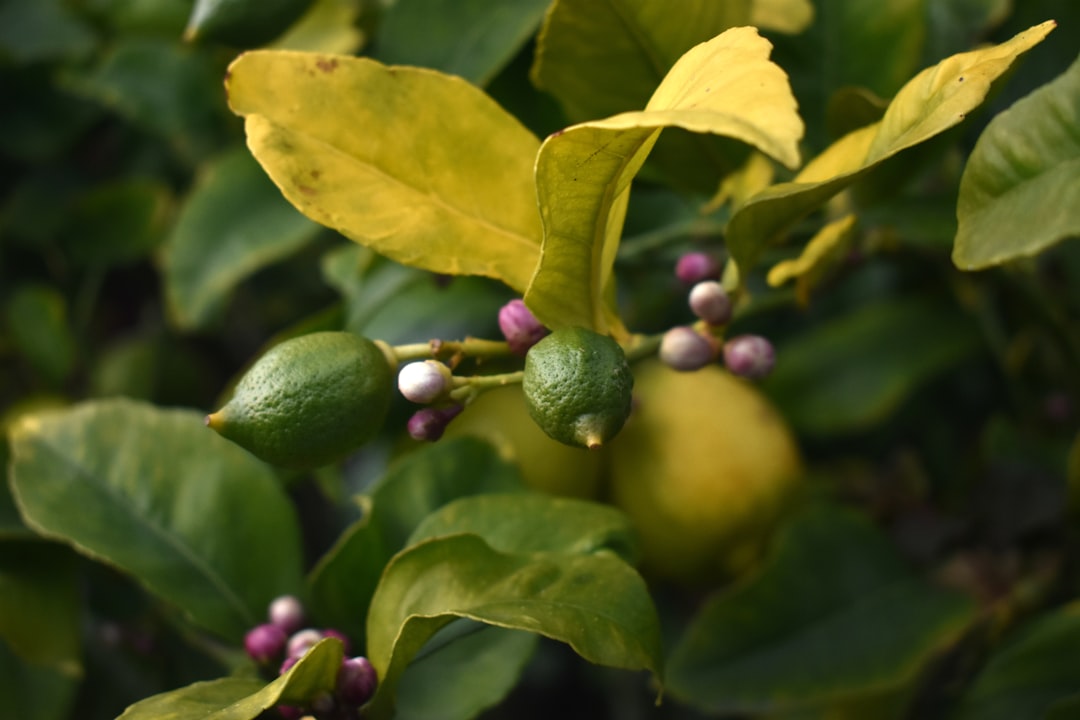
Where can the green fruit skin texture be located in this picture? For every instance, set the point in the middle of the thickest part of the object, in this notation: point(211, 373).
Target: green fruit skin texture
point(310, 400)
point(577, 386)
point(243, 23)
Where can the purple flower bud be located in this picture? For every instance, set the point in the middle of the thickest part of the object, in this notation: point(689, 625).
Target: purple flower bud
point(287, 664)
point(323, 704)
point(520, 327)
point(710, 302)
point(749, 356)
point(356, 681)
point(430, 423)
point(303, 641)
point(332, 633)
point(424, 382)
point(694, 267)
point(684, 349)
point(288, 712)
point(264, 642)
point(287, 613)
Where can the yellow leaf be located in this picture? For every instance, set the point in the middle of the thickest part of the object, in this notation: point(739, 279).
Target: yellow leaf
point(419, 166)
point(935, 100)
point(824, 251)
point(786, 16)
point(328, 26)
point(726, 86)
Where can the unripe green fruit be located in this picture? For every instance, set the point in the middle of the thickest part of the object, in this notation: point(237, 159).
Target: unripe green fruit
point(309, 401)
point(577, 387)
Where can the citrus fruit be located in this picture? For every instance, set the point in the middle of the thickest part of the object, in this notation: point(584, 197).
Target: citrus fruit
point(705, 467)
point(309, 401)
point(577, 386)
point(243, 23)
point(500, 417)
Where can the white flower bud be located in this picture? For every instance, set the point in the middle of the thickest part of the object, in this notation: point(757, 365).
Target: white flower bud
point(425, 382)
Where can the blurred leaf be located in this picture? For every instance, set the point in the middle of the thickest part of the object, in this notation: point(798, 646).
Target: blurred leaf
point(170, 91)
point(1032, 671)
point(37, 318)
point(955, 25)
point(823, 253)
point(470, 38)
point(596, 603)
point(162, 18)
point(233, 223)
point(1066, 709)
point(40, 604)
point(191, 516)
point(857, 370)
point(726, 86)
point(935, 100)
point(329, 26)
point(119, 222)
point(240, 23)
point(342, 584)
point(236, 698)
point(1020, 192)
point(851, 108)
point(530, 523)
point(469, 668)
point(11, 524)
point(41, 31)
point(31, 692)
point(833, 614)
point(400, 187)
point(786, 16)
point(39, 121)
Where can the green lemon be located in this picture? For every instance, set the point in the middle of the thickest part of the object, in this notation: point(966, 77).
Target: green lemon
point(243, 23)
point(309, 401)
point(578, 386)
point(705, 469)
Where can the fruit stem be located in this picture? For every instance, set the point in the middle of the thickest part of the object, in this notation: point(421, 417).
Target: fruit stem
point(435, 349)
point(466, 389)
point(641, 346)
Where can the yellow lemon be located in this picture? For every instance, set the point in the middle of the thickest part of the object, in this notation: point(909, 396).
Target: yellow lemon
point(704, 468)
point(500, 417)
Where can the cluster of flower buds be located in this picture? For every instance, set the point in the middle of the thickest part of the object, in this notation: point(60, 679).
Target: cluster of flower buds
point(688, 348)
point(426, 382)
point(283, 639)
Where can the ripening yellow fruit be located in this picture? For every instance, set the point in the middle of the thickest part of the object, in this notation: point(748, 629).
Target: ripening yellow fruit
point(704, 467)
point(500, 417)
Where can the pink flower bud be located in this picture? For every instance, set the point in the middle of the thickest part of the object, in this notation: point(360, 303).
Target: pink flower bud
point(303, 641)
point(710, 302)
point(520, 327)
point(264, 642)
point(694, 267)
point(749, 356)
point(287, 613)
point(356, 681)
point(424, 382)
point(430, 423)
point(683, 349)
point(288, 712)
point(287, 664)
point(332, 633)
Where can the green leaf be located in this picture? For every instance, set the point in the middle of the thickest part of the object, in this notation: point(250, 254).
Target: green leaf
point(726, 86)
point(33, 692)
point(39, 605)
point(342, 584)
point(233, 223)
point(441, 177)
point(470, 38)
point(170, 91)
point(834, 614)
point(37, 316)
point(935, 100)
point(469, 668)
point(529, 523)
point(856, 370)
point(42, 31)
point(1018, 194)
point(194, 518)
point(118, 223)
point(1031, 672)
point(238, 698)
point(596, 603)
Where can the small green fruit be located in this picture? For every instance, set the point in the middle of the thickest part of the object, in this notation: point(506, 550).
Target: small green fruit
point(309, 401)
point(577, 387)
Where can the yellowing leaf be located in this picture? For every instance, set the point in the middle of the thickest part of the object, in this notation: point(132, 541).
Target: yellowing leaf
point(786, 16)
point(935, 100)
point(726, 86)
point(819, 256)
point(419, 166)
point(328, 26)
